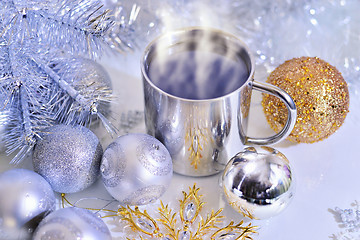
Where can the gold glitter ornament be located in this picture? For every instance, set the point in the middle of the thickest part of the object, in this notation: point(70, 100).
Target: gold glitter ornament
point(320, 93)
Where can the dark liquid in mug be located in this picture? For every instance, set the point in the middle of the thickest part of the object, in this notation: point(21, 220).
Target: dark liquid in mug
point(197, 74)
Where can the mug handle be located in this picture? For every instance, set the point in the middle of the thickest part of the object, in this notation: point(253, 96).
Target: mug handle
point(291, 120)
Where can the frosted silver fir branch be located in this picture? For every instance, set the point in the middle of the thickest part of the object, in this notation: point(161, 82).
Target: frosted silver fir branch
point(76, 26)
point(23, 93)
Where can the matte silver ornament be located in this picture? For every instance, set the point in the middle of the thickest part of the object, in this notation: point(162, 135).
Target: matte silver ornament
point(68, 157)
point(258, 182)
point(136, 169)
point(72, 224)
point(25, 198)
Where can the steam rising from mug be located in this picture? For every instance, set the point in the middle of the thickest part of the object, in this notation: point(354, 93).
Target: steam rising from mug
point(205, 67)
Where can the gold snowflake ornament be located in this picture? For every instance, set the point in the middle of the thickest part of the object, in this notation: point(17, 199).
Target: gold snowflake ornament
point(187, 224)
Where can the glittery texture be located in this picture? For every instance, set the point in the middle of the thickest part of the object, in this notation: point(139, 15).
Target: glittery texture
point(149, 149)
point(25, 197)
point(136, 169)
point(72, 223)
point(68, 158)
point(145, 195)
point(320, 93)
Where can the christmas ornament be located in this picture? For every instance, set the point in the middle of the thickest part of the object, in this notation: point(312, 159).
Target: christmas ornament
point(91, 81)
point(258, 182)
point(68, 157)
point(167, 223)
point(186, 223)
point(25, 198)
point(136, 169)
point(81, 72)
point(72, 223)
point(320, 93)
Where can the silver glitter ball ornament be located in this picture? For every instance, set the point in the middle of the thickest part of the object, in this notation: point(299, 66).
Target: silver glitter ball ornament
point(258, 182)
point(89, 72)
point(72, 224)
point(68, 157)
point(25, 198)
point(82, 73)
point(136, 169)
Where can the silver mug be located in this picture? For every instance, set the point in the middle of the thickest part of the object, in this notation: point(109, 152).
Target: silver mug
point(203, 123)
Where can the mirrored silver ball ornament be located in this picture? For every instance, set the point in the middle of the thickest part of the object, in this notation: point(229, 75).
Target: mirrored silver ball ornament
point(68, 157)
point(25, 198)
point(72, 224)
point(258, 182)
point(136, 169)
